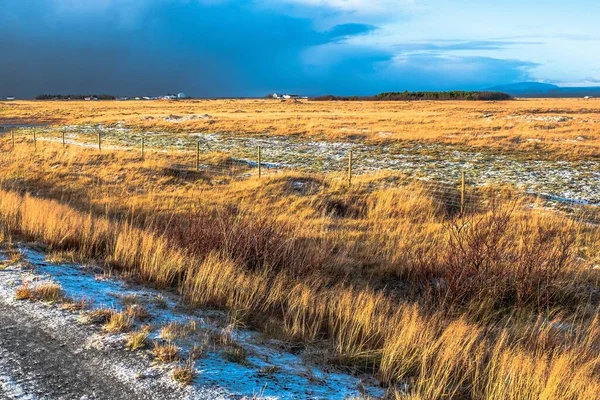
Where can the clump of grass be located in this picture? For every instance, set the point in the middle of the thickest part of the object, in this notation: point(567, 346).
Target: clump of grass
point(5, 238)
point(96, 317)
point(198, 351)
point(184, 374)
point(165, 352)
point(60, 257)
point(118, 322)
point(161, 302)
point(223, 337)
point(74, 305)
point(269, 370)
point(24, 292)
point(47, 292)
point(130, 300)
point(236, 354)
point(137, 312)
point(139, 339)
point(14, 256)
point(175, 330)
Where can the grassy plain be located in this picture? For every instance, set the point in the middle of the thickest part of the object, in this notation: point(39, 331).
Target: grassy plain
point(501, 302)
point(556, 128)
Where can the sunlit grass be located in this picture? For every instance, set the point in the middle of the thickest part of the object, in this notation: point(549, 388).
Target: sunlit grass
point(49, 292)
point(384, 279)
point(562, 127)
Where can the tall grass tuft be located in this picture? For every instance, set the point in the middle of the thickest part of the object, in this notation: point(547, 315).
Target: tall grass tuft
point(447, 319)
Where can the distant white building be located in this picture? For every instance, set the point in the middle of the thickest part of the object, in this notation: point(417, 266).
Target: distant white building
point(181, 96)
point(287, 96)
point(11, 98)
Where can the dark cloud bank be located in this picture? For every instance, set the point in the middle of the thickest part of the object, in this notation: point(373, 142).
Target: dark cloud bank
point(213, 49)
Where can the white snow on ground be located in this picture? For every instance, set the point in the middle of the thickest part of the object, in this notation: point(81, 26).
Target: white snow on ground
point(289, 376)
point(9, 387)
point(435, 162)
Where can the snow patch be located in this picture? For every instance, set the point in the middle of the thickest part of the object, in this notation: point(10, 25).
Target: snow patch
point(270, 372)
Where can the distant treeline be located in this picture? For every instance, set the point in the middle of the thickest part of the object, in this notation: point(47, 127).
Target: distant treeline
point(399, 96)
point(74, 97)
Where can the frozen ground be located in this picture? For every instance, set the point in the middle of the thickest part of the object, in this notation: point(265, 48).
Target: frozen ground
point(46, 353)
point(562, 179)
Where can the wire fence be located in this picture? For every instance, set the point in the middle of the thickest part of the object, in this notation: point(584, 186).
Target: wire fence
point(342, 164)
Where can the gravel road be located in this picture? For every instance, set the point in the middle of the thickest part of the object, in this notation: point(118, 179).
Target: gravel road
point(46, 355)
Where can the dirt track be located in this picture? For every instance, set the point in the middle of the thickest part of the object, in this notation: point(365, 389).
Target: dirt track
point(41, 361)
point(48, 353)
point(38, 364)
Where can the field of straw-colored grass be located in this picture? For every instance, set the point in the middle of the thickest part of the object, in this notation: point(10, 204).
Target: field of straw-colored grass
point(557, 128)
point(497, 303)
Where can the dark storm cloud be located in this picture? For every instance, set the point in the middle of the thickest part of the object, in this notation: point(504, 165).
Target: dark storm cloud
point(204, 48)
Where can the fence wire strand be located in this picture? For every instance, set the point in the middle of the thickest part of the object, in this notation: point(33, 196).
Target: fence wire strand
point(242, 163)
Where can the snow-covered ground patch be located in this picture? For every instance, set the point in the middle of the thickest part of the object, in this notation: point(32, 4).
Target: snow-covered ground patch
point(576, 181)
point(267, 370)
point(184, 118)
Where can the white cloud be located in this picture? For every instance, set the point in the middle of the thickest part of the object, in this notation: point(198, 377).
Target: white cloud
point(364, 7)
point(558, 38)
point(327, 13)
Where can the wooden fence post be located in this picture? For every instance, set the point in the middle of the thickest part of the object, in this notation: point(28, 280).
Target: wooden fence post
point(34, 140)
point(99, 141)
point(350, 168)
point(143, 140)
point(259, 162)
point(63, 139)
point(12, 134)
point(462, 192)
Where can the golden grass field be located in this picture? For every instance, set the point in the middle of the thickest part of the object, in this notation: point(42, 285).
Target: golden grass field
point(499, 302)
point(558, 128)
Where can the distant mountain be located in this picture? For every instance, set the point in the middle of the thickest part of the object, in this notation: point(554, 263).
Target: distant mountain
point(537, 89)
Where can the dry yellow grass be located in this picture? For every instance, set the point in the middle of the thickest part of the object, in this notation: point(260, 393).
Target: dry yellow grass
point(47, 292)
point(118, 322)
point(97, 316)
point(176, 330)
point(401, 340)
point(448, 306)
point(166, 352)
point(139, 339)
point(137, 312)
point(530, 126)
point(184, 374)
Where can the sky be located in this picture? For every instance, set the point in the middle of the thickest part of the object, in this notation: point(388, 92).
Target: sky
point(225, 48)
